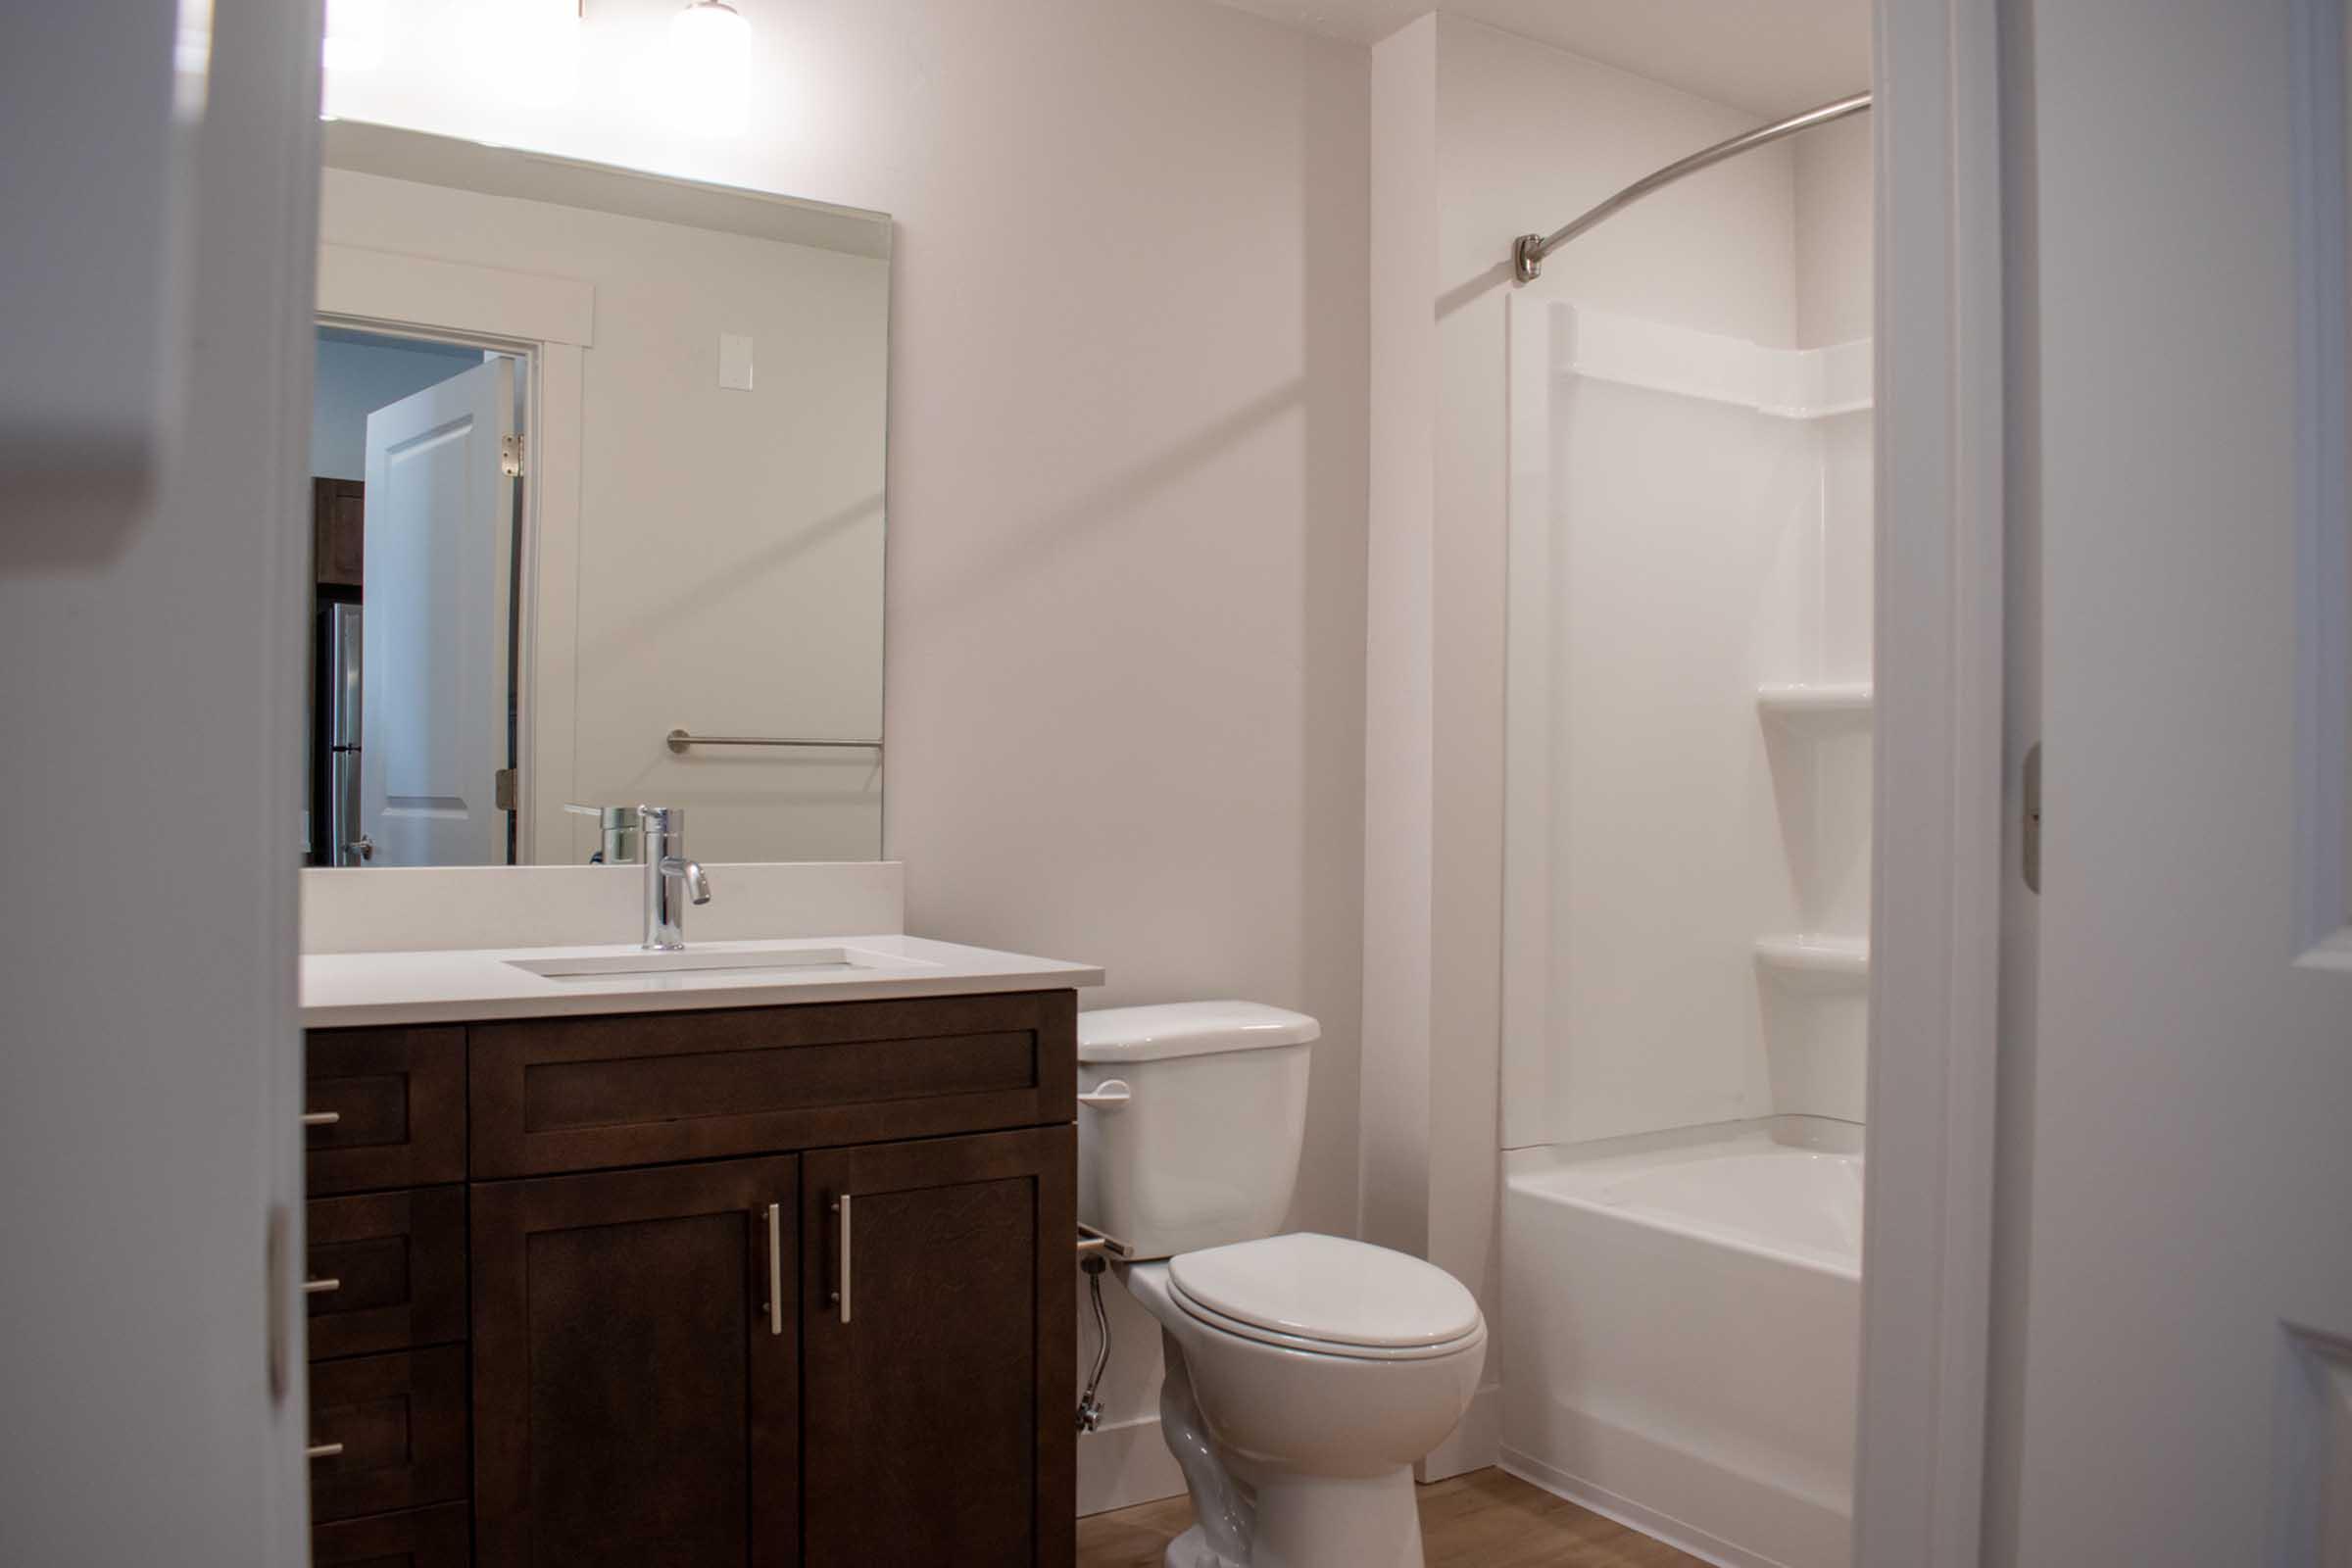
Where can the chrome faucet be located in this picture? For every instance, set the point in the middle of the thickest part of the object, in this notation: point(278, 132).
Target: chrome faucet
point(667, 872)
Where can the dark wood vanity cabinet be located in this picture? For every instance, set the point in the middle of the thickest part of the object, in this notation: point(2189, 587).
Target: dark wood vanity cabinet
point(760, 1287)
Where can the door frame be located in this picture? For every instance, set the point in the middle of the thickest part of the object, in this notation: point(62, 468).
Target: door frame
point(2323, 478)
point(1938, 857)
point(549, 322)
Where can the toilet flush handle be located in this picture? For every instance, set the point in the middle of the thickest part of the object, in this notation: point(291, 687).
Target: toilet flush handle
point(1109, 1095)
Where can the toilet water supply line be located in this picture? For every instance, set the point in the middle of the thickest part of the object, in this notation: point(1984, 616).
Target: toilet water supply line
point(1089, 1408)
point(1109, 1094)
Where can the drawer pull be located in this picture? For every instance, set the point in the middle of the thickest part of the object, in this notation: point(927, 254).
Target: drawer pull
point(322, 1451)
point(775, 1268)
point(321, 1287)
point(320, 1118)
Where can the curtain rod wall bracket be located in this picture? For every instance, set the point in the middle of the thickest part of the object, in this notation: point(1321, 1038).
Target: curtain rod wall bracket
point(1527, 257)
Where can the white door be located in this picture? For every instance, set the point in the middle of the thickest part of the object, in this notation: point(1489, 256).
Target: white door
point(433, 674)
point(2173, 1343)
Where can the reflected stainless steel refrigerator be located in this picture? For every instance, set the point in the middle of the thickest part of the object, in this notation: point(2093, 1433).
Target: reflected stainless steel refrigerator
point(339, 671)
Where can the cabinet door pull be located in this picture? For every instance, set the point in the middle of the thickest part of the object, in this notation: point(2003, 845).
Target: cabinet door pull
point(322, 1451)
point(320, 1118)
point(321, 1287)
point(775, 1268)
point(840, 1207)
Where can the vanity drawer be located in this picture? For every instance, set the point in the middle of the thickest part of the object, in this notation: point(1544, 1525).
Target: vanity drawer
point(397, 1102)
point(401, 1424)
point(386, 1271)
point(422, 1538)
point(581, 1093)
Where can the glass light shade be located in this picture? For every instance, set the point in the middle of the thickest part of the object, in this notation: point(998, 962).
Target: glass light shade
point(710, 69)
point(354, 35)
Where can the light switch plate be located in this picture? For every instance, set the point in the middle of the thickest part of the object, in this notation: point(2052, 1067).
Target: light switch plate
point(734, 362)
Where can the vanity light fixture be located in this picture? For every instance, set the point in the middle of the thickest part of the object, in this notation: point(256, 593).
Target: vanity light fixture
point(710, 65)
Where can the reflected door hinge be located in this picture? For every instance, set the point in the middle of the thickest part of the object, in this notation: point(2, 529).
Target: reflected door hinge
point(2030, 836)
point(510, 456)
point(502, 789)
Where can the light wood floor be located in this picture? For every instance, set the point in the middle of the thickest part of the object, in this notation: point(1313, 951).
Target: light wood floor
point(1485, 1519)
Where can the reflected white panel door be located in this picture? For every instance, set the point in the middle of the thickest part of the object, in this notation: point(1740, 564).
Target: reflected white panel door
point(433, 678)
point(2185, 1317)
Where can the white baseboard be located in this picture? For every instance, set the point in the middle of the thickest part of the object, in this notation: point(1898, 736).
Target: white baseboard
point(1125, 1463)
point(1651, 1523)
point(1475, 1445)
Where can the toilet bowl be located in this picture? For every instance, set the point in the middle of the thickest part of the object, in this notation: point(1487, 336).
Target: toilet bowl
point(1306, 1374)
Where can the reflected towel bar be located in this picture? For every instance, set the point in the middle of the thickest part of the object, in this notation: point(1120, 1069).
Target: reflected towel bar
point(679, 740)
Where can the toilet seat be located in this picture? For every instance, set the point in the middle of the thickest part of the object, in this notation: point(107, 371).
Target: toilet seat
point(1328, 1295)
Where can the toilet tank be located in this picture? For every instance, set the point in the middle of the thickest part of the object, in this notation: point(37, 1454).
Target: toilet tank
point(1190, 1117)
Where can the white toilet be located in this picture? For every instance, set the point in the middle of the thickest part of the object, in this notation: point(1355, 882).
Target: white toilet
point(1305, 1374)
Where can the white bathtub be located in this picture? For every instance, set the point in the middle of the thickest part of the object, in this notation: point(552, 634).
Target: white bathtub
point(1680, 1334)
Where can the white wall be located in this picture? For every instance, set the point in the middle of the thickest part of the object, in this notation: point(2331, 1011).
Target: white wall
point(729, 550)
point(1125, 686)
point(350, 380)
point(1834, 234)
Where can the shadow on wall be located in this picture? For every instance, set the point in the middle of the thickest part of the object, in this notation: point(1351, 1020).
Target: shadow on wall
point(1121, 491)
point(1473, 289)
point(733, 577)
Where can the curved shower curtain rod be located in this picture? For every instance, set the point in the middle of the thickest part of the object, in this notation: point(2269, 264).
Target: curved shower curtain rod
point(1529, 250)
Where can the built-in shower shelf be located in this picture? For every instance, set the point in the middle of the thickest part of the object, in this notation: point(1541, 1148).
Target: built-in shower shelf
point(1816, 960)
point(1816, 702)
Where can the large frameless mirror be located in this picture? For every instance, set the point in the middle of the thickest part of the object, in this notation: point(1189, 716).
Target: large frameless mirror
point(597, 466)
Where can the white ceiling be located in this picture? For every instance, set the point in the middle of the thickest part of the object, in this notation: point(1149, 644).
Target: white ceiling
point(1772, 56)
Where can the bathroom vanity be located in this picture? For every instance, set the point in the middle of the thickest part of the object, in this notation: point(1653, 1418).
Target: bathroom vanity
point(676, 1269)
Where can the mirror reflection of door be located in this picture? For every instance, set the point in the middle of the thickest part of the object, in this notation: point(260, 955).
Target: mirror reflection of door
point(413, 694)
point(440, 513)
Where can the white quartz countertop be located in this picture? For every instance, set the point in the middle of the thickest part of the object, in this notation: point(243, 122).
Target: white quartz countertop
point(345, 989)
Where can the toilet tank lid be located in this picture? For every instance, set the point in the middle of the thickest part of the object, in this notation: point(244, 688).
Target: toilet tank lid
point(1189, 1029)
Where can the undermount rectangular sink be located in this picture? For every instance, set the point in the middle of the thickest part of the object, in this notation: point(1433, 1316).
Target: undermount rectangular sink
point(607, 965)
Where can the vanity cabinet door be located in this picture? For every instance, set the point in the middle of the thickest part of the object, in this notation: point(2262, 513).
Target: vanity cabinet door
point(635, 1380)
point(939, 1357)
